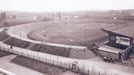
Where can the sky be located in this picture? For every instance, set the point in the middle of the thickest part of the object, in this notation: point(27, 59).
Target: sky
point(65, 5)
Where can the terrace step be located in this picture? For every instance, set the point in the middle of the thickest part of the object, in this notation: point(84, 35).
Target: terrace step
point(60, 51)
point(3, 36)
point(75, 53)
point(6, 39)
point(81, 54)
point(17, 42)
point(31, 46)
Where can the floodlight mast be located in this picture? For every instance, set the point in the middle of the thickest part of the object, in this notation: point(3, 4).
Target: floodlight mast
point(85, 35)
point(53, 17)
point(59, 14)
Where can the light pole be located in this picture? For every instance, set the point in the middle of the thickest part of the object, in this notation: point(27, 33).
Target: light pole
point(53, 17)
point(71, 40)
point(85, 36)
point(20, 35)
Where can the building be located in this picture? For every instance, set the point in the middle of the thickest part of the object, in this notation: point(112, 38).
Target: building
point(120, 43)
point(3, 21)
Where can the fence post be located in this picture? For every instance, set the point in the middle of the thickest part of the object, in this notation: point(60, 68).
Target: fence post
point(61, 64)
point(78, 70)
point(39, 58)
point(88, 72)
point(98, 73)
point(46, 60)
point(105, 73)
point(93, 69)
point(32, 56)
point(69, 66)
point(29, 55)
point(53, 61)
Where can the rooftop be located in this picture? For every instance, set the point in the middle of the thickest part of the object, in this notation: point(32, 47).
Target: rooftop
point(125, 31)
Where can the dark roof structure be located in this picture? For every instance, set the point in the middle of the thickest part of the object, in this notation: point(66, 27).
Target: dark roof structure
point(125, 31)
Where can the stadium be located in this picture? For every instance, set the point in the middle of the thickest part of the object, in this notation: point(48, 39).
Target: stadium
point(61, 45)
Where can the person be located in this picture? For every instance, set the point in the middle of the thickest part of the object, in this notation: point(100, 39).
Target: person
point(11, 46)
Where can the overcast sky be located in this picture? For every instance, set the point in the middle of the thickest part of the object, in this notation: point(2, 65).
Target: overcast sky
point(65, 5)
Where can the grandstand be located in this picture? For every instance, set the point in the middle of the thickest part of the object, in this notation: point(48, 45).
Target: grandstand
point(52, 50)
point(17, 42)
point(60, 51)
point(3, 36)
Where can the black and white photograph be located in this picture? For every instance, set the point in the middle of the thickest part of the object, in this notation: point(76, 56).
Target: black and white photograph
point(66, 37)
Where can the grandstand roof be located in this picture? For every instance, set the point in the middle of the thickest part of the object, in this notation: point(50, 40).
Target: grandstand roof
point(125, 31)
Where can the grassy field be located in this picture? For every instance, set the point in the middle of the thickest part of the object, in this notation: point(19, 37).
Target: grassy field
point(77, 31)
